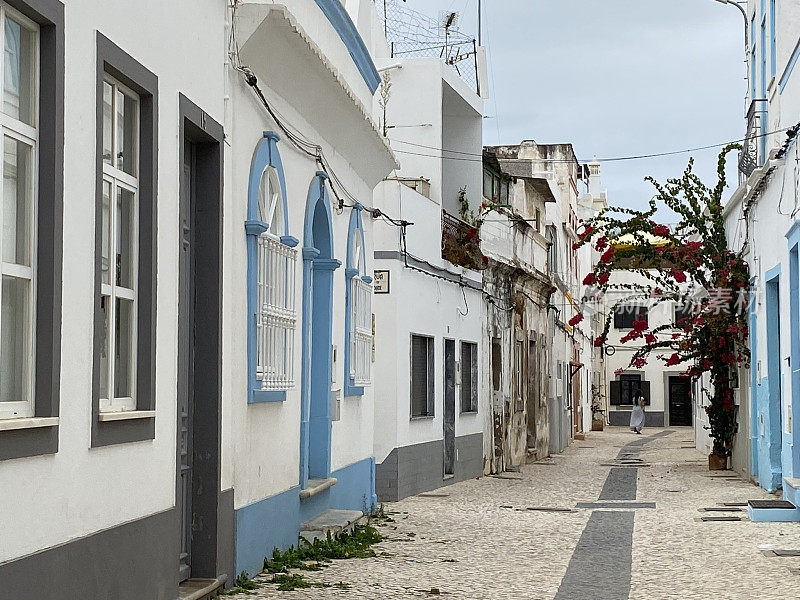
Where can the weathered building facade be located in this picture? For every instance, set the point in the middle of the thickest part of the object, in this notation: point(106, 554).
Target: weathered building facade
point(518, 292)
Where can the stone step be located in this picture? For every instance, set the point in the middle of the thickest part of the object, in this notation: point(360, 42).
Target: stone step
point(200, 589)
point(774, 511)
point(331, 521)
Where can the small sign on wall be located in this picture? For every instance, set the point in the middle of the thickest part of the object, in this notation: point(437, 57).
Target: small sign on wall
point(380, 282)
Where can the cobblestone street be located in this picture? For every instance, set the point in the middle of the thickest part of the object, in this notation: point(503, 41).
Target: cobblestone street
point(531, 535)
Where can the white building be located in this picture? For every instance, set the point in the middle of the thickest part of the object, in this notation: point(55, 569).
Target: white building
point(667, 391)
point(431, 362)
point(226, 415)
point(761, 217)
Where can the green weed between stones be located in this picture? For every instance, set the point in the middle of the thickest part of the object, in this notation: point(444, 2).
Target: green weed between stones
point(288, 582)
point(353, 544)
point(242, 585)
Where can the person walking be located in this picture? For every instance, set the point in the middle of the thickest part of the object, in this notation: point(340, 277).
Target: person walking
point(637, 414)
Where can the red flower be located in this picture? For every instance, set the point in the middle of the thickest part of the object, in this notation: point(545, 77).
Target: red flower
point(618, 372)
point(608, 255)
point(576, 319)
point(485, 260)
point(599, 341)
point(601, 243)
point(727, 404)
point(576, 245)
point(733, 328)
point(699, 321)
point(590, 279)
point(640, 325)
point(673, 360)
point(675, 336)
point(655, 292)
point(650, 338)
point(729, 358)
point(472, 233)
point(694, 246)
point(661, 231)
point(639, 362)
point(602, 278)
point(587, 232)
point(679, 275)
point(483, 206)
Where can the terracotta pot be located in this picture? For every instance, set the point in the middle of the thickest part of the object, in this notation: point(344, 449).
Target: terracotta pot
point(717, 462)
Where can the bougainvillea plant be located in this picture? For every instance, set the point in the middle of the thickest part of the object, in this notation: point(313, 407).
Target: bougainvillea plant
point(687, 265)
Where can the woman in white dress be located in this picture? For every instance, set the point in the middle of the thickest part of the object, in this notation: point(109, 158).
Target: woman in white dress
point(637, 414)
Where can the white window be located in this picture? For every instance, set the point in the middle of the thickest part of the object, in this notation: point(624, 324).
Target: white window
point(118, 267)
point(361, 331)
point(277, 316)
point(18, 212)
point(360, 324)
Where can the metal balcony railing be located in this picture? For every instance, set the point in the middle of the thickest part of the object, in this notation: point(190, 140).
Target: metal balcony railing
point(461, 243)
point(754, 151)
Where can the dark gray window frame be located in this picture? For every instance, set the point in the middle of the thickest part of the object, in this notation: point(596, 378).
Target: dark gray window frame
point(431, 399)
point(49, 14)
point(113, 61)
point(474, 376)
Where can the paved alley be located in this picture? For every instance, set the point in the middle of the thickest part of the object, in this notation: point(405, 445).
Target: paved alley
point(615, 516)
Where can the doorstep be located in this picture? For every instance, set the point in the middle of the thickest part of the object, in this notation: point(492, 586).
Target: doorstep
point(315, 486)
point(331, 521)
point(200, 589)
point(774, 511)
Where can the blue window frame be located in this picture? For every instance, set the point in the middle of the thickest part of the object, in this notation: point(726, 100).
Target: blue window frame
point(753, 69)
point(270, 309)
point(358, 310)
point(773, 38)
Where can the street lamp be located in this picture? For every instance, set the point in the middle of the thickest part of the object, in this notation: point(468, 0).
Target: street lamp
point(744, 16)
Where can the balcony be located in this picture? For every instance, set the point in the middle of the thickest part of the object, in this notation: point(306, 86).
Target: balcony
point(754, 148)
point(461, 243)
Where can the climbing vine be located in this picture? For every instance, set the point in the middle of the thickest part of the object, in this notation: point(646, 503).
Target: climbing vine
point(689, 265)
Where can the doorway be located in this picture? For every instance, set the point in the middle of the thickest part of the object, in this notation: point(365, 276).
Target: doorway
point(318, 268)
point(680, 402)
point(449, 426)
point(199, 350)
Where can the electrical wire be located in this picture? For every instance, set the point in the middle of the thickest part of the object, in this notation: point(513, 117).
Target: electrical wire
point(479, 157)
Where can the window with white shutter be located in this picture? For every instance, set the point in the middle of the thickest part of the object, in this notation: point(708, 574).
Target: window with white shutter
point(358, 311)
point(271, 278)
point(276, 318)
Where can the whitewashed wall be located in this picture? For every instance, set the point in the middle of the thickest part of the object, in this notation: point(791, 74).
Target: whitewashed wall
point(48, 500)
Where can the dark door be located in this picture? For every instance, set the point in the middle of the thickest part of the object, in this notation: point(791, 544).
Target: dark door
point(533, 393)
point(680, 402)
point(186, 361)
point(450, 406)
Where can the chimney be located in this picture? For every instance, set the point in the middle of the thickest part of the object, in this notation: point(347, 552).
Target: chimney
point(594, 178)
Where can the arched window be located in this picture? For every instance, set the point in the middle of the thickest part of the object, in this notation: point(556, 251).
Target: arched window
point(272, 262)
point(358, 311)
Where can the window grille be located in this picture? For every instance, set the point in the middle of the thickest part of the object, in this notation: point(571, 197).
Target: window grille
point(361, 331)
point(277, 316)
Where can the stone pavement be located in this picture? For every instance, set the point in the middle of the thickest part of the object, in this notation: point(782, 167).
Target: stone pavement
point(481, 538)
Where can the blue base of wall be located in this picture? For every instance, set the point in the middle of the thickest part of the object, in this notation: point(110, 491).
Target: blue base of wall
point(774, 515)
point(274, 522)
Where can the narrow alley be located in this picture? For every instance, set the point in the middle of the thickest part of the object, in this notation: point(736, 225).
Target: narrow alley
point(576, 526)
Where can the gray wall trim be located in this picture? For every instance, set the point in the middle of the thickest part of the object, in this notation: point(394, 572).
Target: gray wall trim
point(131, 561)
point(410, 470)
point(113, 60)
point(622, 418)
point(49, 14)
point(212, 513)
point(418, 264)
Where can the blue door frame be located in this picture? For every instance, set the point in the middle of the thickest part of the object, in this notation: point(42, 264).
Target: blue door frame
point(791, 443)
point(317, 353)
point(769, 395)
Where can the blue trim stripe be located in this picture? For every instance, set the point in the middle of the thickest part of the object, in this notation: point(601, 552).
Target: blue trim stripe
point(787, 73)
point(344, 26)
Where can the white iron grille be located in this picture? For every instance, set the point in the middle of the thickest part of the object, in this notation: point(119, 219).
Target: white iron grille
point(361, 332)
point(277, 316)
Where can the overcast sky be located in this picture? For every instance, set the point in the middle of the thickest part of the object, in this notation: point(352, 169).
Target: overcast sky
point(614, 78)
